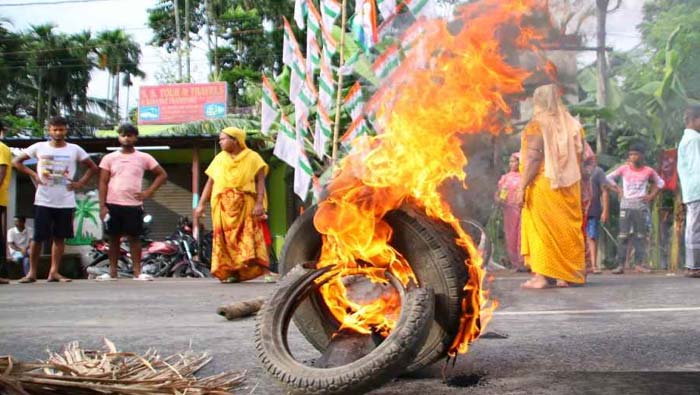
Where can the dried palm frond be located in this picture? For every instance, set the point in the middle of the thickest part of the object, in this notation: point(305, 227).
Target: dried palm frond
point(86, 372)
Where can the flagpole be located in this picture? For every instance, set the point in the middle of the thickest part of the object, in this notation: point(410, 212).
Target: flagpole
point(339, 93)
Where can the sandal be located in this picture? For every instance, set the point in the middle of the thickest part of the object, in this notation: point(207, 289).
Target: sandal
point(230, 280)
point(26, 280)
point(58, 280)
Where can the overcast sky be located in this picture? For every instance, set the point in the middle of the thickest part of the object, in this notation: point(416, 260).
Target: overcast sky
point(131, 16)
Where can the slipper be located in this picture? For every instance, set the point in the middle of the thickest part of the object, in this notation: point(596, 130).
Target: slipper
point(58, 280)
point(230, 280)
point(26, 280)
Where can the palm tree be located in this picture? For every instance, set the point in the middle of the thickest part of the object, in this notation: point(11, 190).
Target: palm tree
point(118, 53)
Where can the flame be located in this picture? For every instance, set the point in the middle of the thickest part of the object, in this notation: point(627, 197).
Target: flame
point(454, 81)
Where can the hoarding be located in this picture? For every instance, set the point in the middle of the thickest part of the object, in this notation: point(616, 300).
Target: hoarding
point(179, 103)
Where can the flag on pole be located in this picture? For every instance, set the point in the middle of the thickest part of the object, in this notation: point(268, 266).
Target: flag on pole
point(326, 84)
point(323, 133)
point(270, 103)
point(421, 7)
point(387, 8)
point(302, 175)
point(357, 128)
point(289, 44)
point(316, 188)
point(300, 10)
point(329, 45)
point(286, 146)
point(302, 104)
point(330, 10)
point(313, 54)
point(348, 66)
point(412, 35)
point(353, 101)
point(314, 19)
point(364, 24)
point(387, 62)
point(298, 74)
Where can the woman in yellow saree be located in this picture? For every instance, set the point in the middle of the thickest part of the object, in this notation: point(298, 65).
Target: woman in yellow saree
point(236, 186)
point(552, 242)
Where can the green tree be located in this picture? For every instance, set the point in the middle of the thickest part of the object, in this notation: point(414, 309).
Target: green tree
point(118, 54)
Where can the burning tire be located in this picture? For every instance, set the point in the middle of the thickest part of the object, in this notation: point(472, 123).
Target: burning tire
point(386, 361)
point(429, 246)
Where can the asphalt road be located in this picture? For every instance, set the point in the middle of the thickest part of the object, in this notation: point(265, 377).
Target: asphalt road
point(631, 334)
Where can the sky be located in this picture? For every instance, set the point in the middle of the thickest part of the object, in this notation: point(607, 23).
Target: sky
point(131, 15)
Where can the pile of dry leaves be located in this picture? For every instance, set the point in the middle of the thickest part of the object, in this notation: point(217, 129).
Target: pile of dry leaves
point(81, 372)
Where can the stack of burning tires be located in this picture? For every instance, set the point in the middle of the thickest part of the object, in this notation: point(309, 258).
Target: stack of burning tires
point(428, 322)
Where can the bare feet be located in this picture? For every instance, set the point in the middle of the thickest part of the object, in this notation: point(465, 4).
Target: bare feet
point(536, 282)
point(562, 284)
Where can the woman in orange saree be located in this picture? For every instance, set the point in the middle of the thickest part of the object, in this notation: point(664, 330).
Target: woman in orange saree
point(550, 194)
point(236, 186)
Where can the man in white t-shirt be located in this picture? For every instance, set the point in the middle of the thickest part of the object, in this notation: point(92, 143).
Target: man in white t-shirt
point(54, 202)
point(18, 239)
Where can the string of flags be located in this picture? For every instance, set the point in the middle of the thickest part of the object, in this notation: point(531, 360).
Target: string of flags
point(313, 78)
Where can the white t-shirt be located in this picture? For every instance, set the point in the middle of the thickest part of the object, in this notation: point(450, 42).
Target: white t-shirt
point(21, 239)
point(56, 168)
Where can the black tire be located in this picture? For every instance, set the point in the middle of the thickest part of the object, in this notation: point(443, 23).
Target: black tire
point(430, 248)
point(386, 361)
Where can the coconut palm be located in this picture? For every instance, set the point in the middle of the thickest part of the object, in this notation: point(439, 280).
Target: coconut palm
point(118, 53)
point(86, 208)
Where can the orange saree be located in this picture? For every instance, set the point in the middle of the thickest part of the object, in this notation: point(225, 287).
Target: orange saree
point(238, 248)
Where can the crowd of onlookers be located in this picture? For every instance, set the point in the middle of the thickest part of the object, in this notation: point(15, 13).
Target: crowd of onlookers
point(554, 199)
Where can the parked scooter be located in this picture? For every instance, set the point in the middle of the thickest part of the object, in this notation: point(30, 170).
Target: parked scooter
point(173, 257)
point(100, 254)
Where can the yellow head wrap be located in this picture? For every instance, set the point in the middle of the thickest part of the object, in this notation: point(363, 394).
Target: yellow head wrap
point(238, 134)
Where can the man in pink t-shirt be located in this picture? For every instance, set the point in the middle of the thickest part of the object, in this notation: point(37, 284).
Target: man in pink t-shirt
point(121, 198)
point(640, 185)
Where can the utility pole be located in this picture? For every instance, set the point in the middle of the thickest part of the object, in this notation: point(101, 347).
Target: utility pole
point(178, 43)
point(187, 41)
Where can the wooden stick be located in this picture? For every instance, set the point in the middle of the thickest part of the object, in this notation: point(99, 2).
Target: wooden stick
point(339, 93)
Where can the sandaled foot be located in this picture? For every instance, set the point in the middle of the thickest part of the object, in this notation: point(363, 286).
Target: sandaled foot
point(618, 270)
point(58, 279)
point(4, 281)
point(562, 284)
point(692, 273)
point(230, 280)
point(536, 282)
point(27, 280)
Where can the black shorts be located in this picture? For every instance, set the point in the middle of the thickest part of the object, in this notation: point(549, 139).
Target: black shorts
point(124, 220)
point(51, 222)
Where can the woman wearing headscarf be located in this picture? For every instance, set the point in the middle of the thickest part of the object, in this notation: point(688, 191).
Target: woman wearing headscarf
point(236, 186)
point(506, 197)
point(550, 194)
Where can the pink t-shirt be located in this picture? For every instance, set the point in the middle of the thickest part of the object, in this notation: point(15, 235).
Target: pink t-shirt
point(126, 176)
point(635, 183)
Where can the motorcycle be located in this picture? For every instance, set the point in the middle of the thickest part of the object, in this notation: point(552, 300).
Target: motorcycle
point(174, 256)
point(100, 255)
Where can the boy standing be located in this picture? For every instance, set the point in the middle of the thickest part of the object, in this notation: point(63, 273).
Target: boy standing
point(121, 178)
point(54, 201)
point(635, 216)
point(688, 168)
point(5, 176)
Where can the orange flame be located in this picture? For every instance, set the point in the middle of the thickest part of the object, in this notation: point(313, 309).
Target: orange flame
point(454, 81)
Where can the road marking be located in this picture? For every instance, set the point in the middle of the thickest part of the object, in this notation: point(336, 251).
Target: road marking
point(611, 311)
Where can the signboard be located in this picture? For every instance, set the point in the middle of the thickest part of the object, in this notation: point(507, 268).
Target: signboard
point(179, 103)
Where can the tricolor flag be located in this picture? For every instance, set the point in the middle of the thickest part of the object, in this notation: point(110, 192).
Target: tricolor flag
point(302, 175)
point(421, 7)
point(289, 44)
point(314, 19)
point(357, 128)
point(329, 45)
point(286, 147)
point(387, 8)
point(348, 66)
point(412, 35)
point(323, 133)
point(330, 10)
point(302, 104)
point(387, 62)
point(313, 54)
point(364, 24)
point(353, 101)
point(300, 10)
point(270, 104)
point(326, 84)
point(298, 74)
point(316, 188)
